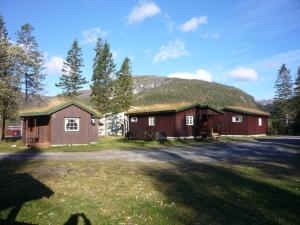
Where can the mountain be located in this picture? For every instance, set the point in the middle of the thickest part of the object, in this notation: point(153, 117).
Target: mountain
point(149, 90)
point(160, 90)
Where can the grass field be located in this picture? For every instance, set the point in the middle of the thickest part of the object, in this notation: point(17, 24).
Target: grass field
point(117, 192)
point(106, 143)
point(119, 143)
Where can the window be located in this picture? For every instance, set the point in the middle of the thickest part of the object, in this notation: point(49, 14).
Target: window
point(72, 124)
point(189, 120)
point(151, 121)
point(260, 122)
point(237, 119)
point(133, 119)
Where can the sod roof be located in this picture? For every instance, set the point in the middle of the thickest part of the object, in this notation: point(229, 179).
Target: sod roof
point(165, 108)
point(246, 110)
point(56, 105)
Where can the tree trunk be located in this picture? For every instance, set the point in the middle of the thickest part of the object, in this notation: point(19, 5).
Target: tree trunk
point(3, 129)
point(26, 90)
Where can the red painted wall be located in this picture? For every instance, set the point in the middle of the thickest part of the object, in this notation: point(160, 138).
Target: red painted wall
point(248, 126)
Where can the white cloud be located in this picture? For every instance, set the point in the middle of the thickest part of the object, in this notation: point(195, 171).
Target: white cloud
point(90, 36)
point(244, 74)
point(174, 49)
point(193, 24)
point(199, 75)
point(54, 65)
point(141, 11)
point(209, 35)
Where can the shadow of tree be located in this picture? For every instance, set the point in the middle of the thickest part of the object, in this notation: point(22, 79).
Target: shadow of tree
point(211, 194)
point(17, 188)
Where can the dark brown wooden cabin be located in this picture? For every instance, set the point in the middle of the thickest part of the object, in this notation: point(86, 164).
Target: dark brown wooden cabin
point(66, 124)
point(243, 121)
point(188, 122)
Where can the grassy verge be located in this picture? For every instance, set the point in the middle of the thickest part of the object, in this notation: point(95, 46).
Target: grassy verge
point(106, 143)
point(116, 192)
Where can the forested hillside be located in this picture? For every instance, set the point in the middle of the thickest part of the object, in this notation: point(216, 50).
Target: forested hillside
point(174, 90)
point(151, 90)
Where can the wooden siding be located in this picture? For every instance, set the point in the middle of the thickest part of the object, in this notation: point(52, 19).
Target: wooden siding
point(174, 123)
point(87, 132)
point(36, 128)
point(164, 122)
point(248, 126)
point(183, 130)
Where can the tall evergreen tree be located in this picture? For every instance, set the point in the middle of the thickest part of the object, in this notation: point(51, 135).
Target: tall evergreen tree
point(297, 84)
point(31, 65)
point(72, 80)
point(284, 88)
point(123, 89)
point(9, 80)
point(103, 72)
point(283, 84)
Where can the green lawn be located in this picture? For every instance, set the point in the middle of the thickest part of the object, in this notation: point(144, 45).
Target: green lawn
point(106, 143)
point(117, 192)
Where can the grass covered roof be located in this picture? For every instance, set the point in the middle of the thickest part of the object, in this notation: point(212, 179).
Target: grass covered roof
point(245, 110)
point(55, 105)
point(174, 107)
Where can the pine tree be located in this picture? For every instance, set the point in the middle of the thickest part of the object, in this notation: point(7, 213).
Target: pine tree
point(283, 86)
point(123, 91)
point(31, 65)
point(297, 84)
point(103, 72)
point(9, 80)
point(72, 80)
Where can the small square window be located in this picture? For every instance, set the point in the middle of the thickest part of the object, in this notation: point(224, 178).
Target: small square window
point(151, 121)
point(260, 122)
point(237, 119)
point(133, 119)
point(72, 124)
point(189, 120)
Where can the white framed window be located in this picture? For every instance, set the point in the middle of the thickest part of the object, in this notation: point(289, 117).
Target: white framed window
point(151, 121)
point(237, 119)
point(133, 119)
point(260, 122)
point(72, 124)
point(189, 120)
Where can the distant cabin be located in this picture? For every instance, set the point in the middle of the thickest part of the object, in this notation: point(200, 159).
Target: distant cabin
point(59, 123)
point(244, 121)
point(191, 121)
point(194, 121)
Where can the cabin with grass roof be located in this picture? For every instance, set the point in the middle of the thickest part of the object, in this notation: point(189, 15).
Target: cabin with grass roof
point(243, 121)
point(174, 121)
point(61, 122)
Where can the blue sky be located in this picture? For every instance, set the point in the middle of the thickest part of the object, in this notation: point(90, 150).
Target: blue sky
point(239, 43)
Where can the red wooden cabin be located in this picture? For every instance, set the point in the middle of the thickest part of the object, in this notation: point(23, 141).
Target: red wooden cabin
point(192, 121)
point(67, 123)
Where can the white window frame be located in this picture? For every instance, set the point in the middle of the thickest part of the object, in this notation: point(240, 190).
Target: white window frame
point(240, 119)
point(151, 121)
point(189, 120)
point(133, 119)
point(260, 121)
point(77, 120)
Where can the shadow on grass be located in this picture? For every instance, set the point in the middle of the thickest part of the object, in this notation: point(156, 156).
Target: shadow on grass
point(218, 195)
point(17, 188)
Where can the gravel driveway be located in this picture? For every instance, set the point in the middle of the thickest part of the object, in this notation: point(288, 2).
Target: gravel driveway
point(261, 149)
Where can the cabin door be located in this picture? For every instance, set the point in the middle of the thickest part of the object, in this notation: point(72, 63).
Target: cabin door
point(32, 135)
point(204, 126)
